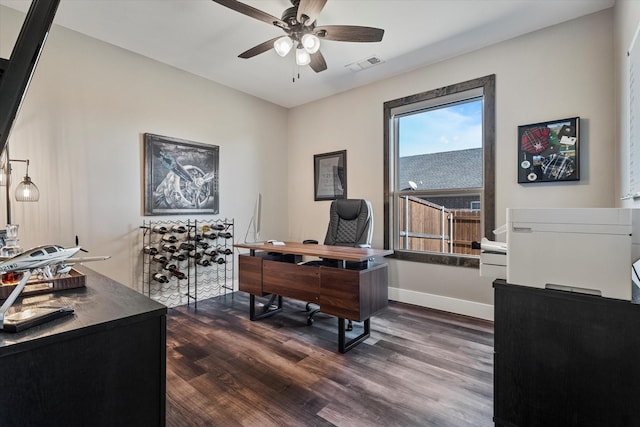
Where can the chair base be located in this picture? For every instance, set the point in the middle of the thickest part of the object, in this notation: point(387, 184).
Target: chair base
point(268, 309)
point(312, 312)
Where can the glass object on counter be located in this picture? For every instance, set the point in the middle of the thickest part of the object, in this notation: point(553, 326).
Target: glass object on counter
point(10, 249)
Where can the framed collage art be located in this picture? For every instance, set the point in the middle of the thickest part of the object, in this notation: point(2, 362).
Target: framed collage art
point(549, 151)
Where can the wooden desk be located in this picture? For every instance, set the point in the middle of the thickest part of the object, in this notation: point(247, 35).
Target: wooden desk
point(103, 365)
point(349, 294)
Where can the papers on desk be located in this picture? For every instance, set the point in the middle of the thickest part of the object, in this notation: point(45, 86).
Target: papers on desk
point(275, 242)
point(491, 246)
point(493, 259)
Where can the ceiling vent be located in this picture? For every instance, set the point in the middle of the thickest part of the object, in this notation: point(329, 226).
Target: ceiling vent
point(365, 63)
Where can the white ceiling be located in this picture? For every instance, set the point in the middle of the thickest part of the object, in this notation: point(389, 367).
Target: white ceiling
point(205, 38)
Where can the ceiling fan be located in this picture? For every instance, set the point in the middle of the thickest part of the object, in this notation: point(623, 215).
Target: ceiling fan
point(299, 24)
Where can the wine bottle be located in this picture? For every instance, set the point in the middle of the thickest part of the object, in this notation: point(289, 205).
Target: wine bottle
point(179, 274)
point(211, 235)
point(151, 250)
point(179, 229)
point(187, 246)
point(211, 251)
point(170, 267)
point(160, 258)
point(203, 245)
point(217, 227)
point(224, 250)
point(219, 260)
point(159, 277)
point(169, 248)
point(159, 229)
point(180, 256)
point(204, 261)
point(195, 236)
point(195, 254)
point(225, 235)
point(169, 238)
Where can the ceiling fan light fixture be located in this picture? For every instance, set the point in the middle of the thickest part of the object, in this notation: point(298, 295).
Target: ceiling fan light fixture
point(283, 45)
point(301, 31)
point(310, 42)
point(302, 57)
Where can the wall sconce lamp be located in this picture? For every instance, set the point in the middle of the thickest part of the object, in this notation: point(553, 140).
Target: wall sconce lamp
point(26, 191)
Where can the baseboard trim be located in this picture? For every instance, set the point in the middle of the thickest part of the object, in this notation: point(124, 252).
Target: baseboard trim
point(438, 302)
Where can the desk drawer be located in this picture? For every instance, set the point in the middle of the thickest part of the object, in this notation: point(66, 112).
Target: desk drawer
point(353, 294)
point(291, 280)
point(250, 274)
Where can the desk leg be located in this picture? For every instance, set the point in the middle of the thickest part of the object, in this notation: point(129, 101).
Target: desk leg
point(266, 310)
point(343, 346)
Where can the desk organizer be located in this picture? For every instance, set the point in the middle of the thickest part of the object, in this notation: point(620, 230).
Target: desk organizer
point(36, 285)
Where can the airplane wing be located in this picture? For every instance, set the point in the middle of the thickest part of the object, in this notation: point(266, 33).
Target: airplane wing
point(71, 260)
point(85, 259)
point(64, 266)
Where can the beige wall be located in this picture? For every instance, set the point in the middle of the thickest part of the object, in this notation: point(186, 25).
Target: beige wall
point(81, 125)
point(559, 72)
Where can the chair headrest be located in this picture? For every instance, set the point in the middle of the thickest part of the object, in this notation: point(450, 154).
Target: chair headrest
point(348, 208)
point(350, 223)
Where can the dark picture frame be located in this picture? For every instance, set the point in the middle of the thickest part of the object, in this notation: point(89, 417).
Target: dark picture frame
point(330, 175)
point(549, 151)
point(181, 177)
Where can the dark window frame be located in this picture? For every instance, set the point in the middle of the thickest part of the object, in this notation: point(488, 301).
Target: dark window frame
point(487, 83)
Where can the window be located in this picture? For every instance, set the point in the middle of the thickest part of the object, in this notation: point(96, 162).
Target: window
point(439, 172)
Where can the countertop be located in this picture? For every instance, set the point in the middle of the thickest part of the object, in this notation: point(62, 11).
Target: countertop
point(102, 303)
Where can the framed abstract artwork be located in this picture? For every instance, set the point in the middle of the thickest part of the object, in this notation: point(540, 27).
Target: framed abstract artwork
point(330, 175)
point(181, 177)
point(549, 151)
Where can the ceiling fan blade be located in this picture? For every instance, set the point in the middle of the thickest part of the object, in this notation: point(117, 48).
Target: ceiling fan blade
point(308, 10)
point(245, 9)
point(317, 63)
point(349, 33)
point(257, 50)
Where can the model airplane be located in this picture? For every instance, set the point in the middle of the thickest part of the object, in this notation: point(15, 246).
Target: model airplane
point(46, 260)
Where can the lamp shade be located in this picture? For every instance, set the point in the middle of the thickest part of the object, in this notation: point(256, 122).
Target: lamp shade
point(310, 43)
point(283, 45)
point(302, 57)
point(27, 191)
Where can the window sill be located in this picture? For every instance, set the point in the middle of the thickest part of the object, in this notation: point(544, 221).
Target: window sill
point(470, 261)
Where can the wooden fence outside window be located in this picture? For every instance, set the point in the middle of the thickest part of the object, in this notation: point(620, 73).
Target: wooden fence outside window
point(425, 226)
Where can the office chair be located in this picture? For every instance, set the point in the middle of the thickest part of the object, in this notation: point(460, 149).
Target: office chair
point(350, 224)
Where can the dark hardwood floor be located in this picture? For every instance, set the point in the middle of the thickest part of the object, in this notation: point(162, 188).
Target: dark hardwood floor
point(420, 367)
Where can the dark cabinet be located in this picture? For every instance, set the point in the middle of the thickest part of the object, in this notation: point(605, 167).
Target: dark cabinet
point(565, 359)
point(103, 366)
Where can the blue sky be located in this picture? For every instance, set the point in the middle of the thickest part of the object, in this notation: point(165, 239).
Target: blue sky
point(446, 129)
